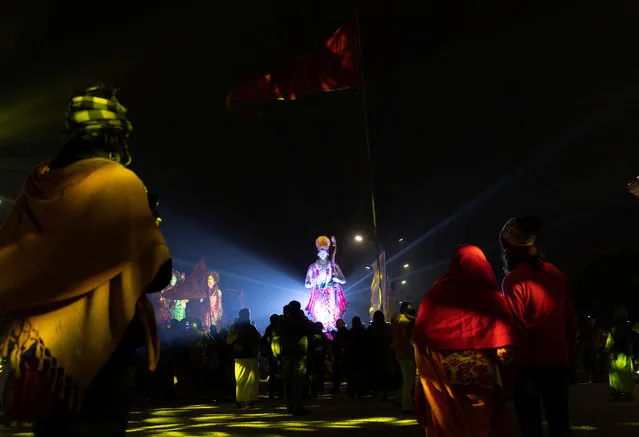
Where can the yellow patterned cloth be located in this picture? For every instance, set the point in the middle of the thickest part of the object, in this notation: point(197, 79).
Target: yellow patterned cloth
point(469, 367)
point(77, 253)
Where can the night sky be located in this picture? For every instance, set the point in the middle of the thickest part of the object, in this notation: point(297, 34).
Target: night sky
point(476, 114)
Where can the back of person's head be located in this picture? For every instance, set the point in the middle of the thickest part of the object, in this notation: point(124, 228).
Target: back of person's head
point(244, 315)
point(340, 323)
point(285, 310)
point(378, 317)
point(196, 324)
point(95, 119)
point(620, 315)
point(519, 235)
point(406, 308)
point(274, 318)
point(356, 322)
point(518, 239)
point(294, 307)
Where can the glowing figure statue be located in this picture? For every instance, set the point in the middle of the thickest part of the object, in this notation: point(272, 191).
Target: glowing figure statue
point(179, 310)
point(176, 307)
point(324, 277)
point(215, 300)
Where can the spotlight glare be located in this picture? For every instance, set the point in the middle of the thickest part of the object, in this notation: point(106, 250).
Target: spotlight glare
point(401, 240)
point(404, 282)
point(358, 238)
point(367, 267)
point(406, 266)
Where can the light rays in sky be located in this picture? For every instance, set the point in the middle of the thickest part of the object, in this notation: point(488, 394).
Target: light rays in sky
point(573, 136)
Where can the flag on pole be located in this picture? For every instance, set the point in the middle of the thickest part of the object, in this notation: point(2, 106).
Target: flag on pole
point(386, 299)
point(331, 67)
point(380, 288)
point(376, 292)
point(386, 307)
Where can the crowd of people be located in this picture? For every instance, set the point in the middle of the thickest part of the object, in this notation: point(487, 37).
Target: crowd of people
point(471, 349)
point(294, 357)
point(609, 351)
point(71, 324)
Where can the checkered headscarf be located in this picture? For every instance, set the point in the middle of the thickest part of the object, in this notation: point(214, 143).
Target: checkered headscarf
point(90, 114)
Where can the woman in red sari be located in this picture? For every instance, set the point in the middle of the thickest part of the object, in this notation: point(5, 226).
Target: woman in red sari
point(462, 330)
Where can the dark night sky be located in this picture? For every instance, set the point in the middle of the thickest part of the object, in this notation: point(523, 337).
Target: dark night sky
point(535, 106)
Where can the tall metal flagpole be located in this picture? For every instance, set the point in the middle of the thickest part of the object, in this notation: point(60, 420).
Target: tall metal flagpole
point(371, 162)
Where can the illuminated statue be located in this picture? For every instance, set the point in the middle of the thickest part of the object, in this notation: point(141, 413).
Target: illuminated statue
point(215, 300)
point(176, 307)
point(324, 277)
point(178, 311)
point(164, 307)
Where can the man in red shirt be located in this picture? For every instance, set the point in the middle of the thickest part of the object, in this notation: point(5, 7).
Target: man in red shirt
point(538, 294)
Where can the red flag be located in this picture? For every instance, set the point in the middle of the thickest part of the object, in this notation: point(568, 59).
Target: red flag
point(330, 68)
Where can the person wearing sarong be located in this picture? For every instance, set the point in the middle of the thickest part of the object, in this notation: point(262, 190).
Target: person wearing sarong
point(462, 328)
point(78, 251)
point(622, 347)
point(246, 345)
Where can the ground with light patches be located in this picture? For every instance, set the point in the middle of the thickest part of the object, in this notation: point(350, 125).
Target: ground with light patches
point(593, 415)
point(269, 419)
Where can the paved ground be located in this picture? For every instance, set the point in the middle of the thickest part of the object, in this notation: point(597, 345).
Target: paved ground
point(593, 415)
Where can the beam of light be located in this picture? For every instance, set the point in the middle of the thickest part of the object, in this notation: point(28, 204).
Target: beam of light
point(573, 136)
point(35, 112)
point(438, 264)
point(243, 278)
point(488, 247)
point(264, 290)
point(38, 112)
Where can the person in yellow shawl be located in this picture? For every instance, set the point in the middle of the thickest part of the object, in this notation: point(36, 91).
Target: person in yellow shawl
point(78, 251)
